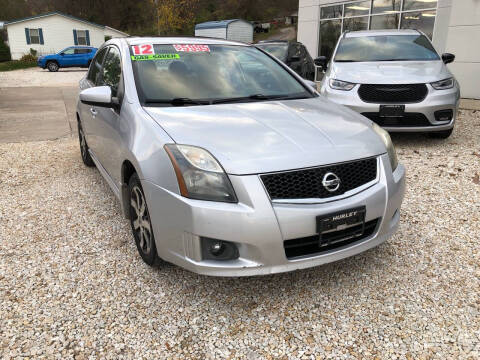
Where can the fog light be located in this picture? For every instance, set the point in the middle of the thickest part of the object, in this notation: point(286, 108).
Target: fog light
point(444, 115)
point(213, 249)
point(217, 248)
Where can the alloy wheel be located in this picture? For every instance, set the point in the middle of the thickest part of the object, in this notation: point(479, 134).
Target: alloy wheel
point(140, 220)
point(83, 142)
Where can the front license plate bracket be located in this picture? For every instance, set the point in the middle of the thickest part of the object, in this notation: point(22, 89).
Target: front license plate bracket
point(391, 110)
point(329, 226)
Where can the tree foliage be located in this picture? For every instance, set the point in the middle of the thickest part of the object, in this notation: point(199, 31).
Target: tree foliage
point(175, 16)
point(150, 17)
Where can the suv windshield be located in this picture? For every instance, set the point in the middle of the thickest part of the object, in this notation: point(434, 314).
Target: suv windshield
point(205, 74)
point(277, 50)
point(386, 48)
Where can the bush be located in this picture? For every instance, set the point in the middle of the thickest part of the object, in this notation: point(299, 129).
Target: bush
point(26, 61)
point(33, 52)
point(4, 52)
point(28, 58)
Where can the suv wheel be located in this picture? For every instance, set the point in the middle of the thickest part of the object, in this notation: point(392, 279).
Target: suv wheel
point(441, 134)
point(140, 222)
point(86, 158)
point(52, 66)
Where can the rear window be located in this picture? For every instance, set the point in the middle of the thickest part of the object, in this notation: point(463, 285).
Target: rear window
point(385, 48)
point(277, 50)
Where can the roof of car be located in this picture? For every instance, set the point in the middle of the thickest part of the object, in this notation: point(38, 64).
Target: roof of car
point(181, 40)
point(380, 33)
point(263, 42)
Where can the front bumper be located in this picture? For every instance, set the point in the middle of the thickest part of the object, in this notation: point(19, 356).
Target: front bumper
point(259, 226)
point(435, 100)
point(41, 63)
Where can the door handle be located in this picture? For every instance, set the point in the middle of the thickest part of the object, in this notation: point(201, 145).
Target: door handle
point(93, 111)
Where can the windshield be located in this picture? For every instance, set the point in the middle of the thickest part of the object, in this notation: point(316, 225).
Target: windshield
point(277, 50)
point(200, 74)
point(385, 48)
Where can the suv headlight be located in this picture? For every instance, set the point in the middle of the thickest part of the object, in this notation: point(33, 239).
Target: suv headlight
point(392, 154)
point(443, 84)
point(341, 85)
point(199, 174)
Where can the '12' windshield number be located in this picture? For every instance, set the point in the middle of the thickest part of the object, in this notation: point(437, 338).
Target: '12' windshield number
point(145, 49)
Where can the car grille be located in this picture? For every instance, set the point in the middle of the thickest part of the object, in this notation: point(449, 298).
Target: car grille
point(307, 183)
point(407, 120)
point(310, 245)
point(409, 93)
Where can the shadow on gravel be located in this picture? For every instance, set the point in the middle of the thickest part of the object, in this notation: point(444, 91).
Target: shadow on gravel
point(414, 139)
point(246, 293)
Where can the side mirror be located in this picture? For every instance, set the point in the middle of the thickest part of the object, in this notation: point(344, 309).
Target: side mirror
point(321, 61)
point(97, 96)
point(312, 84)
point(448, 58)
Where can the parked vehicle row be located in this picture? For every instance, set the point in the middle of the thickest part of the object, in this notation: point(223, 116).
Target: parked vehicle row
point(228, 163)
point(393, 77)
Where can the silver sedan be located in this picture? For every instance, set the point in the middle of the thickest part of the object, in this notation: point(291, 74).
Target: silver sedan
point(227, 163)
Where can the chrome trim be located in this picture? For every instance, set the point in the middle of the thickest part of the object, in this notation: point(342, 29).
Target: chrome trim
point(325, 200)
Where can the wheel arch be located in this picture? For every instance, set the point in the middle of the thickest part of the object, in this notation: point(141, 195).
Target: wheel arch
point(127, 170)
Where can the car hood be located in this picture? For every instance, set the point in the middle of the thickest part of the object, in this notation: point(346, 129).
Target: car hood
point(391, 72)
point(260, 137)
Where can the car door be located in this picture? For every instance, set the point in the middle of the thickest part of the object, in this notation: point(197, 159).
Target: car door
point(294, 60)
point(88, 112)
point(309, 65)
point(107, 120)
point(67, 57)
point(81, 57)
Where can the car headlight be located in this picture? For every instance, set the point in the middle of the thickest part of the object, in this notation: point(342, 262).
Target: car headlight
point(443, 84)
point(341, 85)
point(199, 174)
point(392, 154)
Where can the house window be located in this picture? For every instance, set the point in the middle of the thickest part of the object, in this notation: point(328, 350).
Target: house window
point(34, 36)
point(82, 37)
point(375, 15)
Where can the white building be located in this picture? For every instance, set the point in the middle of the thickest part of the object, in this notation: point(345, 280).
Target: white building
point(235, 30)
point(453, 26)
point(52, 32)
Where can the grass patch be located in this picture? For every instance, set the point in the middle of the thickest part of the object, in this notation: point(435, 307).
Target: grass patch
point(16, 65)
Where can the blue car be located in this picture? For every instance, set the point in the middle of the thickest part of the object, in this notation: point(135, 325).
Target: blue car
point(78, 56)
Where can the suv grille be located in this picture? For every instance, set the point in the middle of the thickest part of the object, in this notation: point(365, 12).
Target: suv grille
point(407, 120)
point(376, 93)
point(310, 245)
point(307, 183)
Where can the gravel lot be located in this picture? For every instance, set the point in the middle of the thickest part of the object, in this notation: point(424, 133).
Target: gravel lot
point(39, 77)
point(73, 286)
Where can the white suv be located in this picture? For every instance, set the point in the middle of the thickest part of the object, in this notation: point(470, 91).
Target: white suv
point(395, 78)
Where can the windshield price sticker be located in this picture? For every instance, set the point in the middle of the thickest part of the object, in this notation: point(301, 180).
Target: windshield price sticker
point(156, 57)
point(145, 49)
point(192, 48)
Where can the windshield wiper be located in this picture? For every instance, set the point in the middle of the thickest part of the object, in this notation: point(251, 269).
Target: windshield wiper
point(256, 97)
point(177, 101)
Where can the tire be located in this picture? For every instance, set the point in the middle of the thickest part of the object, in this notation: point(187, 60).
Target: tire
point(52, 66)
point(140, 222)
point(441, 134)
point(86, 158)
